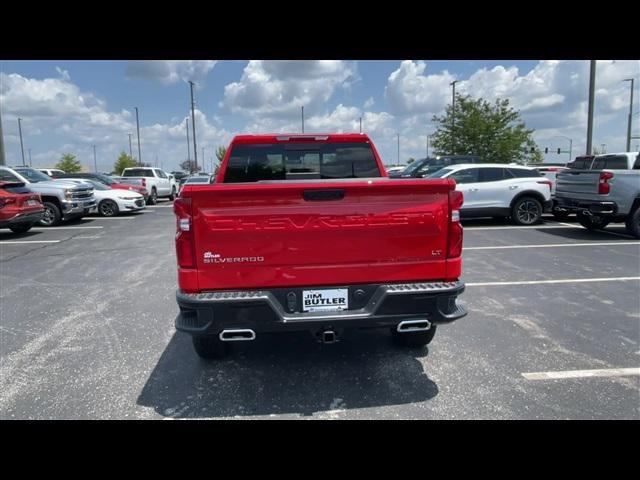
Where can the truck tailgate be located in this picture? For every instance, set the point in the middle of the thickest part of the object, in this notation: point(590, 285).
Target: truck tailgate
point(577, 182)
point(335, 233)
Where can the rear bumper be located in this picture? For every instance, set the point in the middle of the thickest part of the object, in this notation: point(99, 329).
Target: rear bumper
point(373, 305)
point(576, 205)
point(22, 219)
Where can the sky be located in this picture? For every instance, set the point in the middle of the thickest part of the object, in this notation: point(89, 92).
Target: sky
point(69, 106)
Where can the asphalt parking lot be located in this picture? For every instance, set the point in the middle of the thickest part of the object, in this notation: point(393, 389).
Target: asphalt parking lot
point(87, 332)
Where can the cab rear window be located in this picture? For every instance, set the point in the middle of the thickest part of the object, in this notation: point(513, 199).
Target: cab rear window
point(302, 161)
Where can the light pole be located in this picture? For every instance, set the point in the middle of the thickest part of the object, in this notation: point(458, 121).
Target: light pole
point(453, 115)
point(188, 146)
point(428, 138)
point(398, 149)
point(630, 114)
point(130, 149)
point(138, 127)
point(21, 145)
point(603, 145)
point(95, 162)
point(30, 161)
point(302, 114)
point(193, 126)
point(204, 160)
point(592, 89)
point(360, 124)
point(3, 161)
point(570, 144)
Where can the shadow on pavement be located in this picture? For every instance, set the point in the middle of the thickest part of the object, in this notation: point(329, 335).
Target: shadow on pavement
point(286, 374)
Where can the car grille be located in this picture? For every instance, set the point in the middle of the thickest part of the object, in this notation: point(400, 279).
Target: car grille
point(139, 202)
point(83, 194)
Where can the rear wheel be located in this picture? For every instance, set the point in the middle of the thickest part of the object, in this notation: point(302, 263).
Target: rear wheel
point(592, 222)
point(209, 346)
point(173, 194)
point(21, 228)
point(413, 339)
point(51, 216)
point(526, 211)
point(633, 223)
point(153, 197)
point(108, 208)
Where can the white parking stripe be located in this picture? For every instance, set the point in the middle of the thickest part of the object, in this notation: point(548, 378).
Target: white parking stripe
point(539, 282)
point(53, 229)
point(110, 218)
point(605, 372)
point(159, 206)
point(565, 226)
point(553, 245)
point(30, 241)
point(603, 231)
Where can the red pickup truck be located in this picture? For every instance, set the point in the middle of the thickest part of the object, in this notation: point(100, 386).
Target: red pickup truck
point(307, 233)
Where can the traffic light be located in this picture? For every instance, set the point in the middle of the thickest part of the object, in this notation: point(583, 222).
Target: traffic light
point(558, 150)
point(546, 150)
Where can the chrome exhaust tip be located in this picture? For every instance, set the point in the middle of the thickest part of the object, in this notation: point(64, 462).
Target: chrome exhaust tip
point(241, 335)
point(414, 326)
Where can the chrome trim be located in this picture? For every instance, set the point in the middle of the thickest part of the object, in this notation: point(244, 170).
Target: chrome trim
point(415, 329)
point(239, 339)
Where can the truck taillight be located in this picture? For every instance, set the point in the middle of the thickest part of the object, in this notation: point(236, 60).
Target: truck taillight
point(185, 249)
point(603, 185)
point(454, 245)
point(144, 182)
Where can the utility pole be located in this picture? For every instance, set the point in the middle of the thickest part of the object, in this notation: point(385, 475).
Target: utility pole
point(360, 124)
point(188, 146)
point(21, 145)
point(204, 160)
point(592, 89)
point(30, 161)
point(130, 149)
point(3, 160)
point(630, 115)
point(303, 119)
point(193, 126)
point(398, 149)
point(95, 162)
point(138, 127)
point(428, 137)
point(453, 115)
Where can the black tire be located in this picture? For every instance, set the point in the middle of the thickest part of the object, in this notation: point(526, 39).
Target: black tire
point(173, 194)
point(561, 216)
point(592, 222)
point(108, 208)
point(633, 223)
point(52, 215)
point(21, 228)
point(209, 346)
point(153, 197)
point(526, 211)
point(414, 339)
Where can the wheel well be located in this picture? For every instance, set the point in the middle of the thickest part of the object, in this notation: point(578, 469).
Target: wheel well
point(636, 204)
point(53, 200)
point(531, 193)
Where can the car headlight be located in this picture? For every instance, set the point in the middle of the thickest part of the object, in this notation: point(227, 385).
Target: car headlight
point(68, 193)
point(129, 198)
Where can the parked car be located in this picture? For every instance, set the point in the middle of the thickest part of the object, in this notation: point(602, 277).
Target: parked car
point(20, 208)
point(499, 190)
point(606, 189)
point(550, 172)
point(111, 201)
point(155, 180)
point(197, 179)
point(294, 235)
point(426, 166)
point(51, 171)
point(108, 181)
point(61, 200)
point(399, 168)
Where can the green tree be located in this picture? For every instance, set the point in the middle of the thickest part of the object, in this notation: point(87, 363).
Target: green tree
point(124, 161)
point(220, 153)
point(69, 164)
point(495, 131)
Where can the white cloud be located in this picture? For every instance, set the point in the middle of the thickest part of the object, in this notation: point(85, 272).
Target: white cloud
point(369, 103)
point(279, 88)
point(167, 72)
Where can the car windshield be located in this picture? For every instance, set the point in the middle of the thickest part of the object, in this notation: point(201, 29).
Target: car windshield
point(198, 180)
point(443, 172)
point(96, 184)
point(33, 175)
point(412, 167)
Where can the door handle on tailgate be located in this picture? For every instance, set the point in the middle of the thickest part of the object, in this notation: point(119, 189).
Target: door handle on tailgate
point(322, 195)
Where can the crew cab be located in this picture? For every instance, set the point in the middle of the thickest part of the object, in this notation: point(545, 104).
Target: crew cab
point(307, 233)
point(155, 180)
point(500, 190)
point(602, 189)
point(61, 200)
point(19, 208)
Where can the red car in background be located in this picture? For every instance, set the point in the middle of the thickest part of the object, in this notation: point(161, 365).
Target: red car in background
point(20, 208)
point(108, 181)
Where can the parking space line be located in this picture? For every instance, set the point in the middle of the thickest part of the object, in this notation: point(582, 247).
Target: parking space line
point(605, 372)
point(553, 245)
point(565, 226)
point(540, 282)
point(53, 229)
point(602, 231)
point(159, 206)
point(110, 218)
point(29, 241)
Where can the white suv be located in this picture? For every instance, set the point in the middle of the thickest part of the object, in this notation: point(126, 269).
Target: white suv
point(500, 190)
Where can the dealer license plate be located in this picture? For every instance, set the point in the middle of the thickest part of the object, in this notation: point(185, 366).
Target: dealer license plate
point(325, 300)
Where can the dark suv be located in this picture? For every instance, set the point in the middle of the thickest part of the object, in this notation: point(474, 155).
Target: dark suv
point(426, 166)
